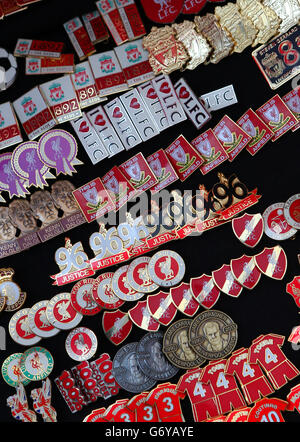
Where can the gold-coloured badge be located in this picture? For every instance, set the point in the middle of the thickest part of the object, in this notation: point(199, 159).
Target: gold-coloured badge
point(218, 38)
point(287, 10)
point(166, 54)
point(240, 27)
point(195, 44)
point(265, 19)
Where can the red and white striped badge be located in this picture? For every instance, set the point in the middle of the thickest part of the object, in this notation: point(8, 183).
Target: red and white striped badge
point(272, 262)
point(225, 281)
point(245, 271)
point(140, 316)
point(183, 299)
point(248, 229)
point(205, 291)
point(116, 325)
point(161, 307)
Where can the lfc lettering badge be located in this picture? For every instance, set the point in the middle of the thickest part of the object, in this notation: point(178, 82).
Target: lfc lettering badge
point(162, 11)
point(117, 326)
point(272, 262)
point(248, 228)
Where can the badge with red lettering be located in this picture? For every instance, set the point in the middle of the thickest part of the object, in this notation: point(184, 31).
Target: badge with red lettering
point(121, 286)
point(103, 294)
point(95, 27)
point(163, 170)
point(272, 262)
point(194, 109)
point(291, 211)
point(41, 66)
point(162, 11)
point(275, 223)
point(245, 271)
point(231, 136)
point(240, 415)
point(134, 62)
point(131, 18)
point(183, 299)
point(10, 133)
point(118, 187)
point(292, 100)
point(85, 86)
point(205, 291)
point(37, 48)
point(257, 129)
point(93, 199)
point(141, 317)
point(79, 38)
point(138, 173)
point(113, 20)
point(161, 307)
point(293, 289)
point(117, 326)
point(82, 298)
point(166, 268)
point(151, 100)
point(138, 275)
point(267, 410)
point(225, 281)
point(248, 229)
point(183, 157)
point(33, 113)
point(211, 150)
point(276, 114)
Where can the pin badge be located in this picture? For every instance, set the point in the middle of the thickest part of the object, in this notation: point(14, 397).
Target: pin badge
point(291, 211)
point(163, 169)
point(82, 299)
point(153, 103)
point(38, 321)
point(85, 85)
point(231, 136)
point(205, 291)
point(245, 271)
point(275, 223)
point(225, 281)
point(19, 329)
point(219, 98)
point(166, 268)
point(60, 312)
point(161, 307)
point(11, 371)
point(79, 38)
point(10, 291)
point(211, 150)
point(95, 27)
point(113, 20)
point(36, 363)
point(117, 326)
point(103, 294)
point(141, 317)
point(138, 172)
point(81, 344)
point(138, 275)
point(121, 286)
point(10, 133)
point(272, 262)
point(248, 229)
point(44, 66)
point(183, 299)
point(183, 157)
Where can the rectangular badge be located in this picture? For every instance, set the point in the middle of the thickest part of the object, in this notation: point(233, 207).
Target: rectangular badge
point(34, 113)
point(38, 48)
point(85, 85)
point(139, 114)
point(292, 100)
point(10, 133)
point(122, 123)
point(131, 18)
point(190, 103)
point(40, 66)
point(50, 231)
point(113, 20)
point(138, 173)
point(210, 149)
point(231, 136)
point(95, 27)
point(163, 170)
point(257, 129)
point(79, 38)
point(151, 100)
point(118, 187)
point(219, 98)
point(183, 157)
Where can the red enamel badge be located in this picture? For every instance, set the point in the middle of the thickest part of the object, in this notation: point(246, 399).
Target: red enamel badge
point(117, 326)
point(272, 262)
point(205, 291)
point(248, 229)
point(140, 316)
point(161, 307)
point(162, 11)
point(183, 299)
point(245, 271)
point(225, 281)
point(293, 289)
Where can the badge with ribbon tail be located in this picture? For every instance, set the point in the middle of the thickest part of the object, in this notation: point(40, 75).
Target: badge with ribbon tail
point(9, 181)
point(58, 149)
point(27, 165)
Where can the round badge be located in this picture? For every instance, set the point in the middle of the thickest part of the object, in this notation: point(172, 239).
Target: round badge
point(2, 303)
point(81, 344)
point(36, 363)
point(82, 298)
point(38, 321)
point(291, 211)
point(14, 297)
point(122, 288)
point(138, 275)
point(213, 334)
point(275, 224)
point(19, 329)
point(11, 371)
point(151, 359)
point(166, 268)
point(127, 371)
point(176, 346)
point(103, 294)
point(61, 314)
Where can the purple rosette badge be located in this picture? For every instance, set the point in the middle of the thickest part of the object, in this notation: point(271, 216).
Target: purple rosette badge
point(58, 149)
point(27, 165)
point(9, 180)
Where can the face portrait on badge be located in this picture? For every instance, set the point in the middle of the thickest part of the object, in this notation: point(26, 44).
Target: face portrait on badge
point(185, 353)
point(215, 341)
point(135, 375)
point(7, 229)
point(22, 216)
point(61, 192)
point(43, 207)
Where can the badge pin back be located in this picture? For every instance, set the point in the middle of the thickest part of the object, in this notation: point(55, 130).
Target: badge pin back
point(38, 321)
point(61, 313)
point(291, 211)
point(36, 363)
point(81, 344)
point(166, 268)
point(19, 329)
point(275, 223)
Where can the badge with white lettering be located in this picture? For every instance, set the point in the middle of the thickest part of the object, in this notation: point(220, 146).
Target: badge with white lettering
point(82, 298)
point(36, 363)
point(113, 20)
point(10, 291)
point(34, 113)
point(139, 114)
point(275, 223)
point(276, 114)
point(204, 291)
point(105, 131)
point(291, 211)
point(138, 172)
point(225, 281)
point(231, 136)
point(41, 66)
point(219, 98)
point(190, 103)
point(272, 262)
point(122, 123)
point(131, 18)
point(210, 149)
point(38, 321)
point(138, 276)
point(161, 307)
point(193, 6)
point(163, 170)
point(95, 27)
point(103, 294)
point(240, 415)
point(267, 410)
point(11, 371)
point(121, 286)
point(169, 101)
point(183, 299)
point(10, 133)
point(81, 344)
point(118, 187)
point(79, 38)
point(162, 12)
point(166, 268)
point(60, 312)
point(151, 100)
point(85, 86)
point(19, 329)
point(134, 62)
point(117, 326)
point(245, 271)
point(89, 139)
point(183, 157)
point(38, 48)
point(248, 229)
point(141, 317)
point(61, 98)
point(292, 100)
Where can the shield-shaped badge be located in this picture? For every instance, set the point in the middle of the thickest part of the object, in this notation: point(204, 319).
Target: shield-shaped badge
point(225, 281)
point(205, 291)
point(183, 299)
point(161, 307)
point(245, 271)
point(272, 262)
point(248, 229)
point(116, 326)
point(140, 316)
point(162, 11)
point(293, 289)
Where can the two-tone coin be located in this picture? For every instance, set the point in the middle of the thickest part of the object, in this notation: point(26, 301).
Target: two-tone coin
point(38, 321)
point(19, 329)
point(82, 298)
point(103, 294)
point(291, 211)
point(11, 371)
point(275, 223)
point(60, 312)
point(81, 344)
point(138, 276)
point(166, 268)
point(121, 287)
point(36, 363)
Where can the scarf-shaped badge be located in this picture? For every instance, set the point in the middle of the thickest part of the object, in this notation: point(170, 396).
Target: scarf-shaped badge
point(27, 165)
point(9, 181)
point(58, 149)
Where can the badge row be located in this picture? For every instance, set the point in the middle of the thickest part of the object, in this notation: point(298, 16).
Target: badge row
point(12, 6)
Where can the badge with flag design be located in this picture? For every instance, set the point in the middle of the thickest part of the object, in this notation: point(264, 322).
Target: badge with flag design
point(161, 307)
point(245, 271)
point(183, 299)
point(205, 291)
point(272, 262)
point(248, 229)
point(225, 281)
point(293, 289)
point(116, 326)
point(140, 316)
